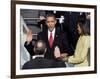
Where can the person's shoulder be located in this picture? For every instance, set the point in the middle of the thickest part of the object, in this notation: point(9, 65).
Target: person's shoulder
point(59, 64)
point(86, 39)
point(63, 34)
point(25, 66)
point(59, 32)
point(86, 36)
point(52, 61)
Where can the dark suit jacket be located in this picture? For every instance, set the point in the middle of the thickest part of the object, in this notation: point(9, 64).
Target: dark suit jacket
point(40, 62)
point(60, 40)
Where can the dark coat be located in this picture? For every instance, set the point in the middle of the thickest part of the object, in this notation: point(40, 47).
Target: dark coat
point(40, 62)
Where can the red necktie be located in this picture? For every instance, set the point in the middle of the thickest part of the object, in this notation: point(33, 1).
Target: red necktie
point(51, 40)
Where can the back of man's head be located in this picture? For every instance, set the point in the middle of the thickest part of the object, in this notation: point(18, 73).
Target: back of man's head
point(40, 48)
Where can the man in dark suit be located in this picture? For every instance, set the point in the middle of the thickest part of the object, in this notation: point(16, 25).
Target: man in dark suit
point(52, 37)
point(39, 61)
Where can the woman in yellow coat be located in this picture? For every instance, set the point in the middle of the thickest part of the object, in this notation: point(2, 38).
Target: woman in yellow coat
point(80, 57)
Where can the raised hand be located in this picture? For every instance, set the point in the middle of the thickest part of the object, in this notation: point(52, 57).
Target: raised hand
point(57, 52)
point(29, 36)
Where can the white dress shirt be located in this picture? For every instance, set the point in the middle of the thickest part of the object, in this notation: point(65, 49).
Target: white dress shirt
point(33, 57)
point(53, 34)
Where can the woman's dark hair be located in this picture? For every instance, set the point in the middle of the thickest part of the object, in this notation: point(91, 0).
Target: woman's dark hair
point(85, 26)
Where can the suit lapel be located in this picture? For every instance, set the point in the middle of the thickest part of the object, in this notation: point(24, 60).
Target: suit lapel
point(46, 38)
point(55, 38)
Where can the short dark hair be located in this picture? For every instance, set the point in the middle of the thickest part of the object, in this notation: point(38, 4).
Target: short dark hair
point(51, 15)
point(85, 26)
point(39, 50)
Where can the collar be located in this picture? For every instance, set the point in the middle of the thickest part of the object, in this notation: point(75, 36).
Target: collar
point(33, 57)
point(53, 33)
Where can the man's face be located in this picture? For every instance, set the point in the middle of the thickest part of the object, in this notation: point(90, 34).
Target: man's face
point(51, 22)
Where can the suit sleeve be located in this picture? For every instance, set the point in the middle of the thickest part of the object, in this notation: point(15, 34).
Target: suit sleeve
point(65, 45)
point(59, 63)
point(29, 48)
